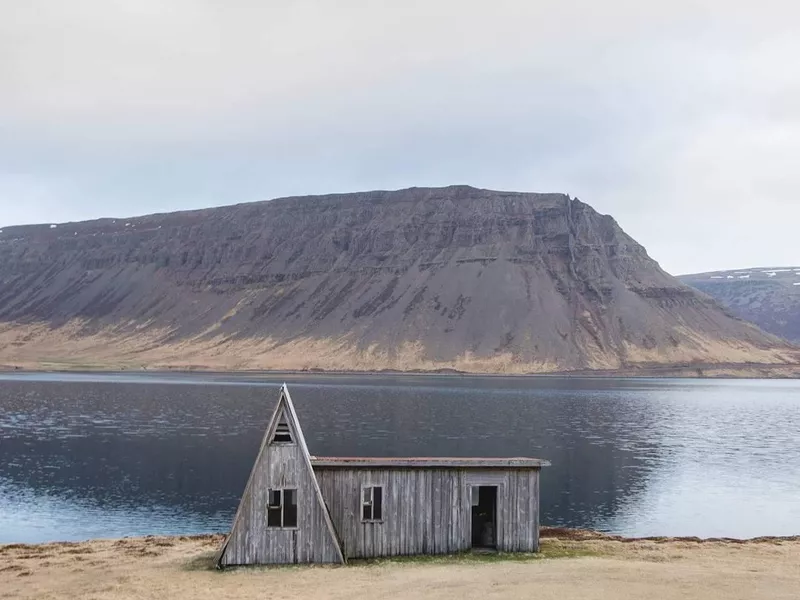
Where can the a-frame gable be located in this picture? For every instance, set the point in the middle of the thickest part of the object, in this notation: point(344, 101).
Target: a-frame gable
point(283, 466)
point(282, 431)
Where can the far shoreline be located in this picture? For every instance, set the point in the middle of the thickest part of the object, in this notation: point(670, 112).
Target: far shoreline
point(732, 371)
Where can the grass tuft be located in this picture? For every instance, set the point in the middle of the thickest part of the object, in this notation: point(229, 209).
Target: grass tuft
point(202, 562)
point(549, 549)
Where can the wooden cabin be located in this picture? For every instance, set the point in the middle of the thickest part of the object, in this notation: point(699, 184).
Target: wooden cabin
point(299, 508)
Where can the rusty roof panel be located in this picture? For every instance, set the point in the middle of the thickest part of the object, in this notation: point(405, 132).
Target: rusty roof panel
point(428, 462)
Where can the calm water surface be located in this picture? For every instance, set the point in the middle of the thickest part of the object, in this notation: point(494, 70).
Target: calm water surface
point(85, 456)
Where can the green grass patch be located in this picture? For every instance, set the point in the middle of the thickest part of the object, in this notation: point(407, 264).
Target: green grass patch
point(549, 550)
point(201, 562)
point(558, 549)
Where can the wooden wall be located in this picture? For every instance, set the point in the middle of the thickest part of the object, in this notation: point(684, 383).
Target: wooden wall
point(251, 542)
point(429, 511)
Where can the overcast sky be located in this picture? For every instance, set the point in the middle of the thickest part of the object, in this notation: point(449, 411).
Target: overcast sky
point(681, 119)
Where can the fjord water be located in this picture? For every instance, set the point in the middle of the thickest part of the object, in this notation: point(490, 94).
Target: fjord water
point(85, 456)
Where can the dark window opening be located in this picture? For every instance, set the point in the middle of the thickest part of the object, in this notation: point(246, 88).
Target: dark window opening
point(283, 433)
point(290, 508)
point(274, 517)
point(282, 508)
point(372, 503)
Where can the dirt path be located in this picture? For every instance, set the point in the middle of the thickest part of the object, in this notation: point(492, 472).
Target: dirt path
point(571, 566)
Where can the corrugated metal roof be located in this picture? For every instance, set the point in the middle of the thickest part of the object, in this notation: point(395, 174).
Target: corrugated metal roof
point(428, 462)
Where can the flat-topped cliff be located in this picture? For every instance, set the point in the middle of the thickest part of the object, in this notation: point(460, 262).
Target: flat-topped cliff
point(422, 278)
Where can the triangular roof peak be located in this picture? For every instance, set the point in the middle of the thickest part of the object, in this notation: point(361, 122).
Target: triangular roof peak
point(284, 427)
point(286, 406)
point(284, 409)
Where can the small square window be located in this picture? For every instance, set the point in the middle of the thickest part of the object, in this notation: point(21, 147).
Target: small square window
point(282, 508)
point(372, 503)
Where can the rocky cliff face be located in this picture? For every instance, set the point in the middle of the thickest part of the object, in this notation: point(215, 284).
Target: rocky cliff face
point(769, 297)
point(414, 279)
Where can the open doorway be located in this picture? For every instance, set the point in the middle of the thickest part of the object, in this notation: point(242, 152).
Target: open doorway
point(484, 516)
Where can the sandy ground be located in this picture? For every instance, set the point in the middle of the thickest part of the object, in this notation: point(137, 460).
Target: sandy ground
point(586, 566)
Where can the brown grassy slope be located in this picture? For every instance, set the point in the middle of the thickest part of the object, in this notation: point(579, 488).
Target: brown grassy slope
point(63, 350)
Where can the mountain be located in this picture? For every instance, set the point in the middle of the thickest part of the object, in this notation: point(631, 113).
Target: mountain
point(448, 278)
point(769, 297)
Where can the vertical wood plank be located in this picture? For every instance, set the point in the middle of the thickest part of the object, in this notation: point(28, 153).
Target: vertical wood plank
point(536, 476)
point(425, 511)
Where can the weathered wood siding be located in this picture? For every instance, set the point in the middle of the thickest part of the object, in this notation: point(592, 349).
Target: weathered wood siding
point(429, 511)
point(252, 542)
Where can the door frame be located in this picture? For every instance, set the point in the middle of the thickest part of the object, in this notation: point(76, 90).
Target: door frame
point(494, 518)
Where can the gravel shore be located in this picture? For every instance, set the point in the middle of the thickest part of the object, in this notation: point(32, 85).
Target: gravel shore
point(572, 564)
